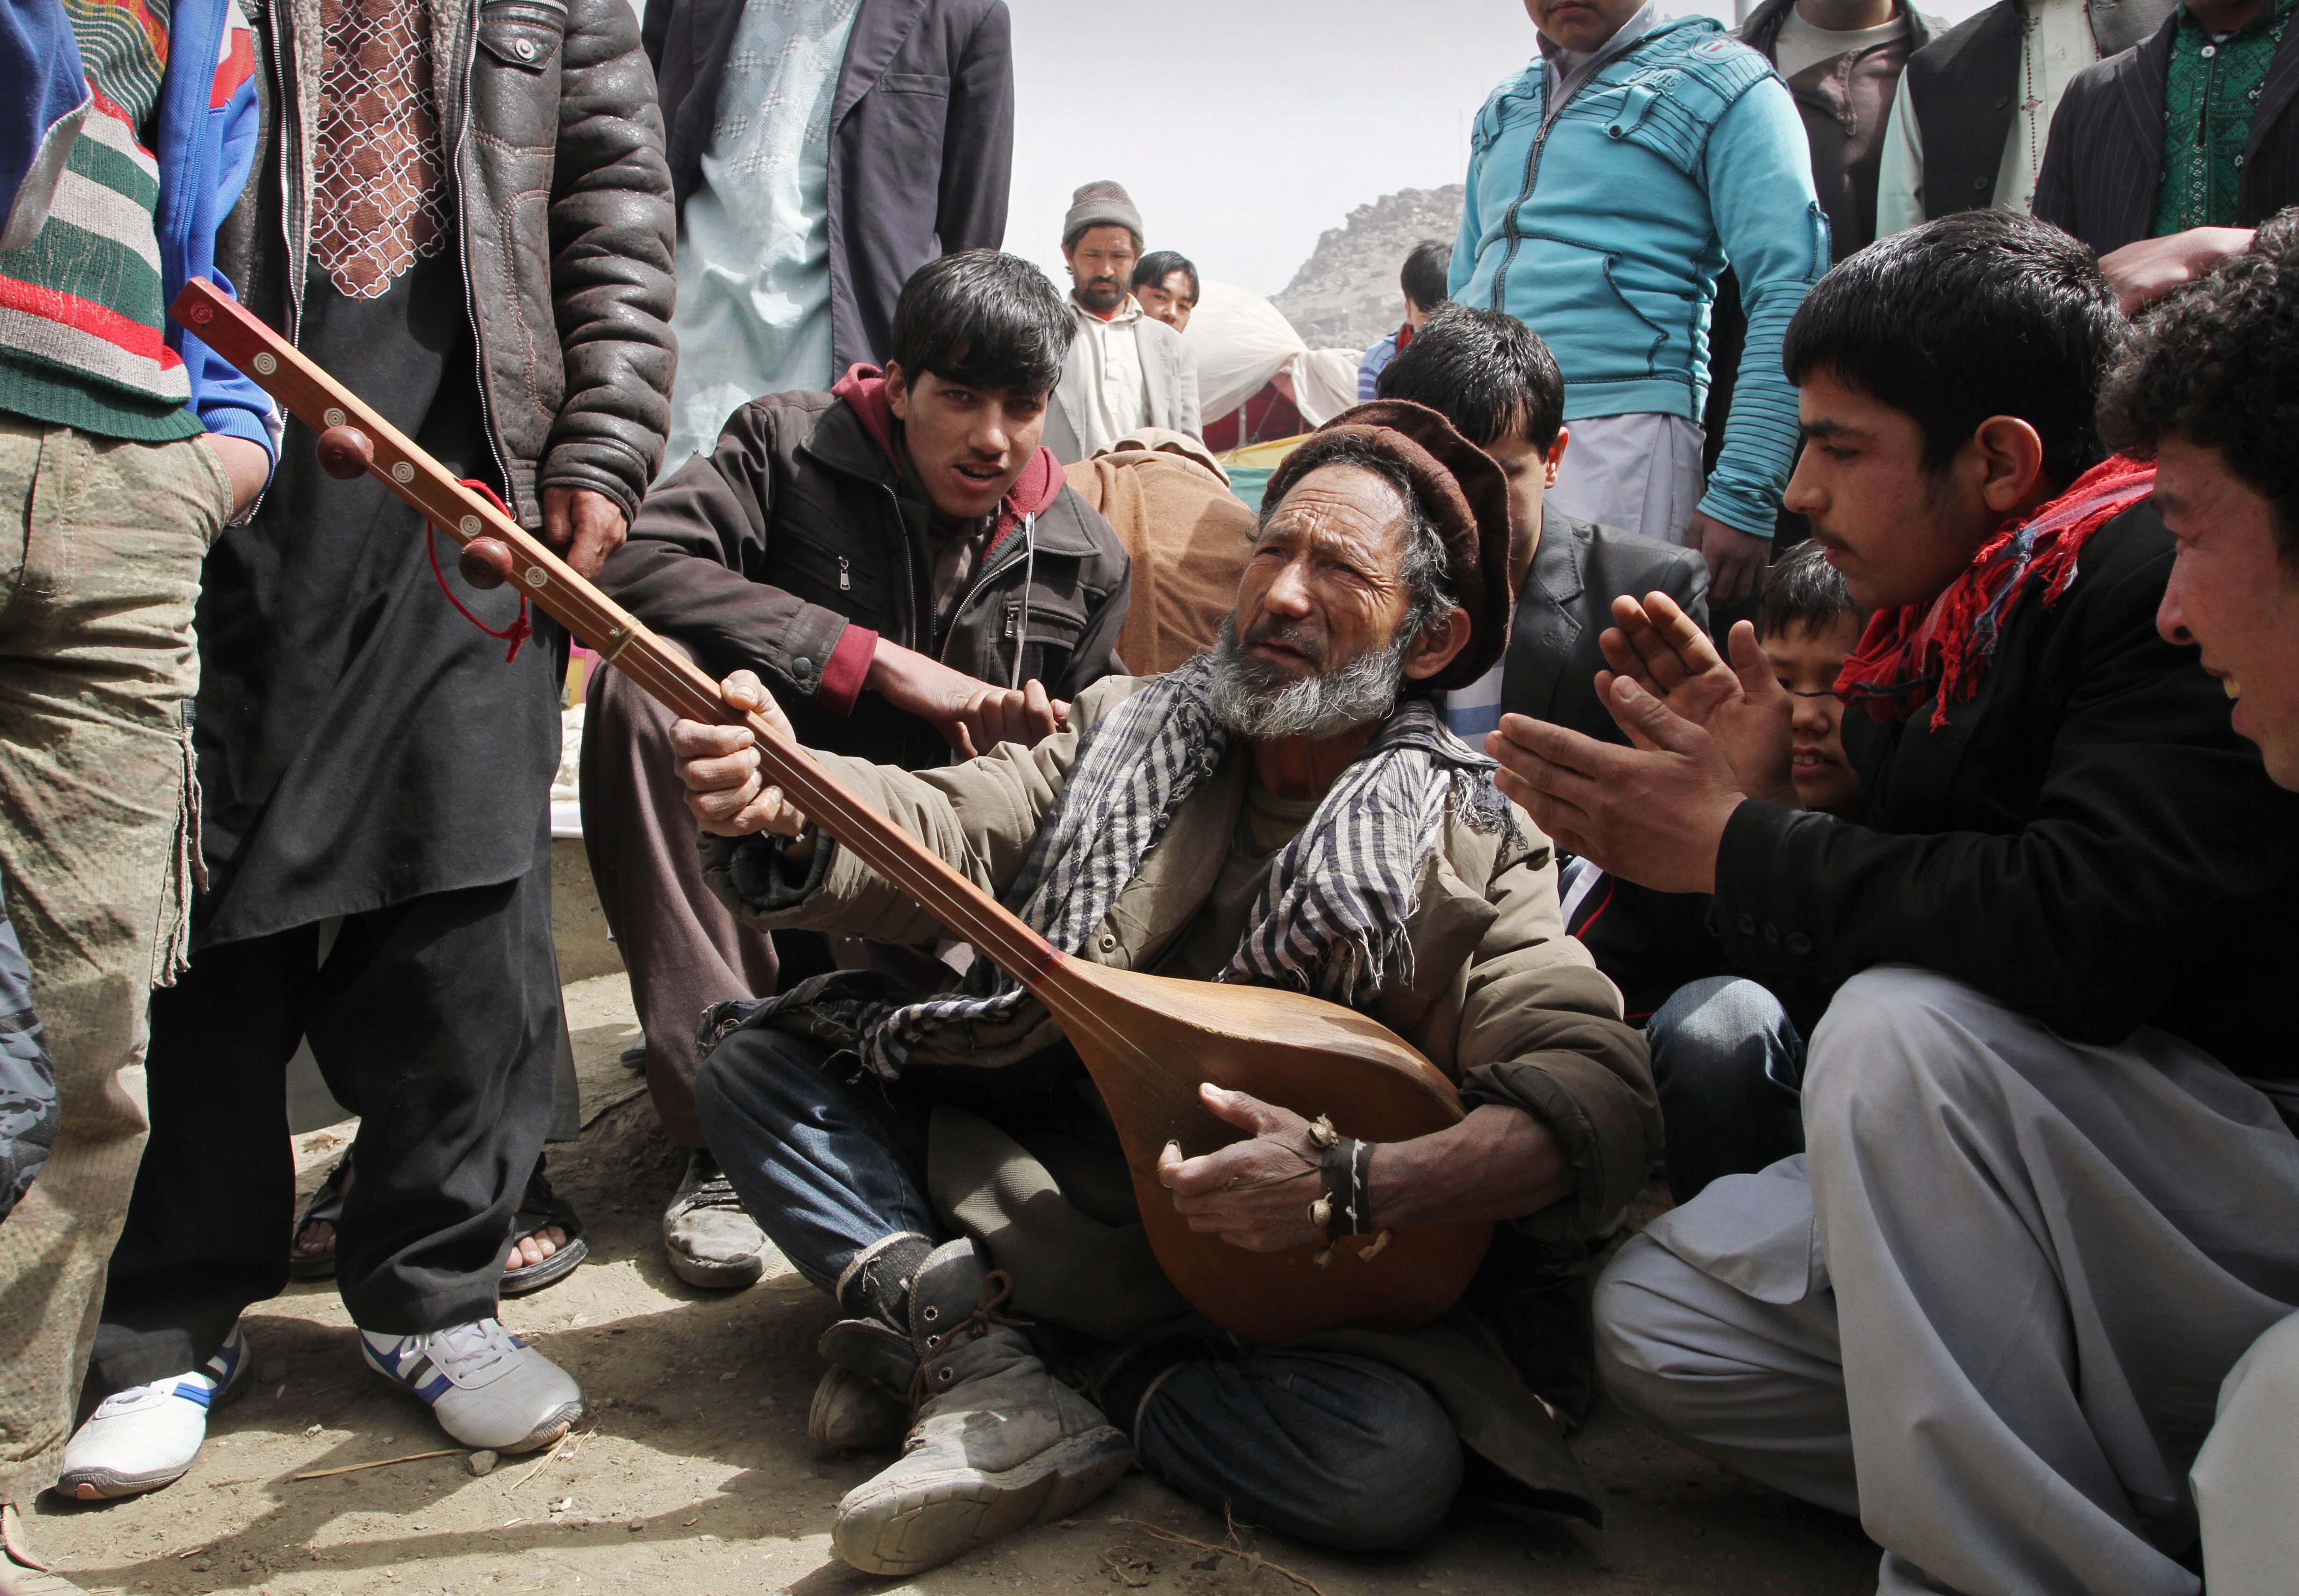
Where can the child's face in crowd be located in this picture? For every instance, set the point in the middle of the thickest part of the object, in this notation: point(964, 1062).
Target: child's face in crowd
point(1806, 663)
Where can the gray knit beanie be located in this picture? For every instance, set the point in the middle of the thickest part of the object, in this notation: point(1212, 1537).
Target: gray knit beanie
point(1101, 205)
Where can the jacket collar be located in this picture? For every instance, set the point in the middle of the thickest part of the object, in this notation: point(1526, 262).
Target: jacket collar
point(1559, 557)
point(2139, 92)
point(2275, 94)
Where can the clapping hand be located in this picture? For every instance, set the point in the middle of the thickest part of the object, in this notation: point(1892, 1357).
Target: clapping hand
point(1740, 704)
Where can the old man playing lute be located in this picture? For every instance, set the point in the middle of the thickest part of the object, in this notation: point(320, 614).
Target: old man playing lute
point(1287, 811)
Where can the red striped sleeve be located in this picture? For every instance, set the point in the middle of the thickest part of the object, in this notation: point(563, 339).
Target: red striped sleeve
point(98, 321)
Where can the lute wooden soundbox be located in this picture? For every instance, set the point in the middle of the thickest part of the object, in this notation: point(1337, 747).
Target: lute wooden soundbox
point(1147, 1040)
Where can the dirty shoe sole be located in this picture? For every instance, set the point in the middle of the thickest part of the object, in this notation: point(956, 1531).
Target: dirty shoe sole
point(919, 1523)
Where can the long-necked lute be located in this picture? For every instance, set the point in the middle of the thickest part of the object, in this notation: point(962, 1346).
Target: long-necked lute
point(1147, 1040)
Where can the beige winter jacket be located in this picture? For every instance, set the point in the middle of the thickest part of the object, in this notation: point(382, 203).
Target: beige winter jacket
point(1502, 999)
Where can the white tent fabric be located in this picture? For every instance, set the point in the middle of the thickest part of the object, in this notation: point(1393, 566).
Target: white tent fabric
point(1242, 343)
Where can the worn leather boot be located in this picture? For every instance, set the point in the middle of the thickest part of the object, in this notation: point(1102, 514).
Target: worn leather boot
point(997, 1445)
point(851, 1414)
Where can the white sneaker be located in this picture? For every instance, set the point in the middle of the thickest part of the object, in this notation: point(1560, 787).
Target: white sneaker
point(146, 1436)
point(488, 1388)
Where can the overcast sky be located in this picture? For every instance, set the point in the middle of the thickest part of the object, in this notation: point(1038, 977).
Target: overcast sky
point(1244, 128)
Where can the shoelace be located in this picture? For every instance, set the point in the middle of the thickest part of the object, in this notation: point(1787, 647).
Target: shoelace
point(466, 1350)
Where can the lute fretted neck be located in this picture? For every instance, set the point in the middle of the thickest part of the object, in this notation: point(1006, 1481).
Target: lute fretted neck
point(395, 460)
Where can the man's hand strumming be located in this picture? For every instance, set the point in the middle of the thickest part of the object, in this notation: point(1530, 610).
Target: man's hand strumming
point(1254, 1193)
point(973, 716)
point(721, 768)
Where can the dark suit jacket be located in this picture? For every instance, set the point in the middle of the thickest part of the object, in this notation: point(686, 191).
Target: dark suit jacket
point(2105, 154)
point(921, 140)
point(1577, 572)
point(1961, 86)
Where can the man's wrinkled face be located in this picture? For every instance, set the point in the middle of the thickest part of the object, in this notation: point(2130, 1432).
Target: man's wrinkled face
point(1169, 302)
point(1806, 662)
point(1897, 533)
point(2232, 592)
point(1579, 25)
point(1317, 644)
point(967, 444)
point(1101, 264)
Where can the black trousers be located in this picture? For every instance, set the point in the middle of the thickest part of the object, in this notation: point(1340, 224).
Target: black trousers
point(437, 1022)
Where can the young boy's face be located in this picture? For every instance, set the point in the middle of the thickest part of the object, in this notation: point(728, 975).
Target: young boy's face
point(1806, 662)
point(967, 445)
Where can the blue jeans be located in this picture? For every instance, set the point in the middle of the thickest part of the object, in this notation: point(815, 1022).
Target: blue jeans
point(1331, 1448)
point(1729, 1066)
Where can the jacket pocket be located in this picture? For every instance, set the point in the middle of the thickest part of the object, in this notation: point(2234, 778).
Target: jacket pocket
point(1599, 333)
point(524, 34)
point(515, 86)
point(915, 83)
point(836, 579)
point(1668, 113)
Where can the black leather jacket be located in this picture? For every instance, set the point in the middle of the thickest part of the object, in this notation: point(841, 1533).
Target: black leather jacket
point(548, 113)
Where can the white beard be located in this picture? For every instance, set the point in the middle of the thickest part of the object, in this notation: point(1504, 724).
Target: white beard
point(1254, 700)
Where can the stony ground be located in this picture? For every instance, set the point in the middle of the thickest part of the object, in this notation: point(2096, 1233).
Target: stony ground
point(691, 1473)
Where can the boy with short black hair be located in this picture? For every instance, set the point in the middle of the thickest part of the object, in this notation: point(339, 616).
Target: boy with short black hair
point(1496, 381)
point(906, 565)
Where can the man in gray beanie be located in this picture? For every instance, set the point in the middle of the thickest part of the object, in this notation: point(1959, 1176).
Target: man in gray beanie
point(1125, 370)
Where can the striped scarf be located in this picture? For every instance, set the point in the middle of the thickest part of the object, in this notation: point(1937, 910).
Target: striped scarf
point(1330, 920)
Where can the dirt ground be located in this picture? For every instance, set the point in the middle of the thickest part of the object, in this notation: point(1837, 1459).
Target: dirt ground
point(691, 1472)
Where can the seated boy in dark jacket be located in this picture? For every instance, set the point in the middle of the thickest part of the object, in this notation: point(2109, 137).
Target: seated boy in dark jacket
point(1493, 378)
point(1728, 1046)
point(910, 571)
point(2044, 1205)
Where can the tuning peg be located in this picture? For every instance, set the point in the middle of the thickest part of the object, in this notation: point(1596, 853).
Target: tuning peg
point(345, 452)
point(485, 562)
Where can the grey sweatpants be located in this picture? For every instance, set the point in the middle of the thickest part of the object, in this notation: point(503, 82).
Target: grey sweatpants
point(1990, 1308)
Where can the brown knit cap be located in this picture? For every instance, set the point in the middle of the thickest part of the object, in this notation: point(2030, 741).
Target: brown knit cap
point(1462, 490)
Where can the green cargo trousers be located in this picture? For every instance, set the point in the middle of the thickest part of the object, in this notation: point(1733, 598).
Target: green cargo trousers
point(99, 568)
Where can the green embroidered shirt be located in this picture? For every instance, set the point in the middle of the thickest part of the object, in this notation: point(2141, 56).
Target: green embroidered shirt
point(2209, 93)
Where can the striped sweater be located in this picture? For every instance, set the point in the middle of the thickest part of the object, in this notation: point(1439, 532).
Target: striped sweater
point(82, 307)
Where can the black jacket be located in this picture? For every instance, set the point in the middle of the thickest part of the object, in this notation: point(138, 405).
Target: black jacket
point(921, 141)
point(566, 227)
point(758, 554)
point(2105, 155)
point(1962, 86)
point(1577, 570)
point(2088, 839)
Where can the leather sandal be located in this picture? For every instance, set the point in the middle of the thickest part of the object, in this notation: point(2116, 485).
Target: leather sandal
point(326, 1207)
point(540, 1208)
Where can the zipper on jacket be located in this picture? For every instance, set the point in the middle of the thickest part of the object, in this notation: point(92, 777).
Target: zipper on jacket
point(910, 565)
point(469, 52)
point(1549, 115)
point(845, 579)
point(997, 568)
point(288, 118)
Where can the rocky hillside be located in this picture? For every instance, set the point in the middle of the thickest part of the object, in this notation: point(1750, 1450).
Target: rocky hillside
point(1345, 295)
